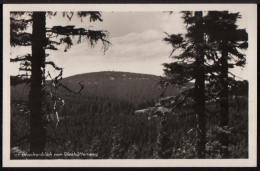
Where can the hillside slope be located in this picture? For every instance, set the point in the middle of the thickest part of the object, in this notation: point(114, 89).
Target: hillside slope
point(131, 87)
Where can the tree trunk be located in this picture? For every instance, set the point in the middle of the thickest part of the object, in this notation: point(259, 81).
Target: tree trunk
point(200, 87)
point(37, 125)
point(224, 101)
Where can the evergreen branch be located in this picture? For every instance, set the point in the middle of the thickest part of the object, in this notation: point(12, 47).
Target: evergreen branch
point(27, 57)
point(21, 39)
point(25, 69)
point(51, 47)
point(92, 35)
point(20, 13)
point(67, 30)
point(178, 72)
point(17, 25)
point(22, 75)
point(93, 15)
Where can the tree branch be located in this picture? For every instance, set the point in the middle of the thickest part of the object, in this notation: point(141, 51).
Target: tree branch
point(27, 57)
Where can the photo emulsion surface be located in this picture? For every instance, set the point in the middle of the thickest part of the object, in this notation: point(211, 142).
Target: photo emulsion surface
point(129, 84)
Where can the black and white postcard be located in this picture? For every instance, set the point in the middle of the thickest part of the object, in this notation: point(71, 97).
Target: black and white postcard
point(129, 85)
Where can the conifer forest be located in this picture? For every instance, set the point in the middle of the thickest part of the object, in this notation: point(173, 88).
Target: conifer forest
point(88, 85)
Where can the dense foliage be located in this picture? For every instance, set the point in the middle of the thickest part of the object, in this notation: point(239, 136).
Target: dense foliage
point(107, 127)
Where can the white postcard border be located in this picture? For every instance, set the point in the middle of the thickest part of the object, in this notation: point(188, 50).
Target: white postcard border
point(252, 78)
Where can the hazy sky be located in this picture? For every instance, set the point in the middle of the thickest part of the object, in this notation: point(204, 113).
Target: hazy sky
point(136, 39)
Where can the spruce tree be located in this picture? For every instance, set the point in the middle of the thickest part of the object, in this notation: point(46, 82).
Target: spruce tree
point(33, 64)
point(228, 40)
point(189, 51)
point(211, 46)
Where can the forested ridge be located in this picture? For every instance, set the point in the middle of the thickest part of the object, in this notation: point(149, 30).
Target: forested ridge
point(108, 126)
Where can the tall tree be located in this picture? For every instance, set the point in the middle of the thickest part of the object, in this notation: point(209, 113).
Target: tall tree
point(40, 39)
point(210, 48)
point(228, 40)
point(37, 130)
point(199, 89)
point(204, 55)
point(189, 53)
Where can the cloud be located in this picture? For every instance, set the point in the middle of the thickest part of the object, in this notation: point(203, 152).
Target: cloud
point(136, 44)
point(136, 39)
point(144, 45)
point(134, 52)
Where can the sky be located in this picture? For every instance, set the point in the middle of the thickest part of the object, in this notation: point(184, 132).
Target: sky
point(136, 39)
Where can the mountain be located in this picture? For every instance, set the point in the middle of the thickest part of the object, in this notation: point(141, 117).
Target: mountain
point(131, 87)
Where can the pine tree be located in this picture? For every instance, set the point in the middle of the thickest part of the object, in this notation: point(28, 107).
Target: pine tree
point(33, 64)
